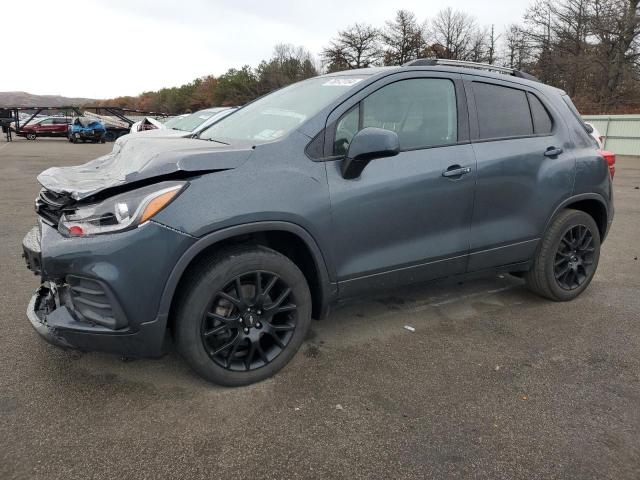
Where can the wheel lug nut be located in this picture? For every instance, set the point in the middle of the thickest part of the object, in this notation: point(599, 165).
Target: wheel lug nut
point(246, 330)
point(259, 325)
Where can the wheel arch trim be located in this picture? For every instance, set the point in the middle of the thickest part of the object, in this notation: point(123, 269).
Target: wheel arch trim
point(328, 290)
point(579, 198)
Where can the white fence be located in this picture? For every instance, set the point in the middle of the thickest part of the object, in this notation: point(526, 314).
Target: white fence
point(621, 132)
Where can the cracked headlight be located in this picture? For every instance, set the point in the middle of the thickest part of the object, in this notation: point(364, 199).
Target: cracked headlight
point(120, 212)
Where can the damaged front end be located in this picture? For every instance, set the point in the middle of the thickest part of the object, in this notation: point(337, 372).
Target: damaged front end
point(102, 259)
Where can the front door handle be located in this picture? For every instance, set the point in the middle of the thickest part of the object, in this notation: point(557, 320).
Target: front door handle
point(552, 152)
point(456, 171)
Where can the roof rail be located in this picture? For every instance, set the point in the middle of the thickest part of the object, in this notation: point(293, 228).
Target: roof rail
point(431, 62)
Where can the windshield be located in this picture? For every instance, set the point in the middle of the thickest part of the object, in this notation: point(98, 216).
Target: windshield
point(278, 113)
point(173, 120)
point(193, 121)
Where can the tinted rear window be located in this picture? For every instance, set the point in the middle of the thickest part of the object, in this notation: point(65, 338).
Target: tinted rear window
point(502, 111)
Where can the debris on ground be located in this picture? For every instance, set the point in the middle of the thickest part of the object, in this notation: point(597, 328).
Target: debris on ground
point(524, 397)
point(339, 407)
point(410, 328)
point(497, 368)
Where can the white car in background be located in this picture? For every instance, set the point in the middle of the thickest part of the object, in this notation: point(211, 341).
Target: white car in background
point(187, 125)
point(596, 135)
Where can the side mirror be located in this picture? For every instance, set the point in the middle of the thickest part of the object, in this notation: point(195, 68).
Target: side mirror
point(366, 145)
point(588, 127)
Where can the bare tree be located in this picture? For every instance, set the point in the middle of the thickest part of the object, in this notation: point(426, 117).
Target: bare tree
point(517, 51)
point(616, 25)
point(356, 47)
point(479, 48)
point(402, 39)
point(492, 46)
point(453, 31)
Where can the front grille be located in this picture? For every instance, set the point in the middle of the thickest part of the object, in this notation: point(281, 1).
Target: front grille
point(50, 205)
point(93, 303)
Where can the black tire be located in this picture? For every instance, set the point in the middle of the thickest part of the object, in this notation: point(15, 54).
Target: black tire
point(255, 355)
point(565, 261)
point(31, 136)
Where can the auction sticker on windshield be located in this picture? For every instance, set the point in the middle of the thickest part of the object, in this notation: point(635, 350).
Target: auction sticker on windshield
point(341, 82)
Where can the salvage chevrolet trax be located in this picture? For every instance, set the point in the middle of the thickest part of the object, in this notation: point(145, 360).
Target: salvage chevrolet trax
point(337, 186)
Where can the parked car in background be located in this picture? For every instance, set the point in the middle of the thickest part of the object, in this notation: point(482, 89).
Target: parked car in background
point(186, 126)
point(334, 187)
point(595, 134)
point(172, 120)
point(45, 127)
point(84, 129)
point(147, 123)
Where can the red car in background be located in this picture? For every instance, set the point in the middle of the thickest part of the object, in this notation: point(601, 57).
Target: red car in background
point(45, 127)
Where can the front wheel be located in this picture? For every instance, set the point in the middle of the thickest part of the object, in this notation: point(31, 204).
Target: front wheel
point(31, 136)
point(242, 315)
point(567, 257)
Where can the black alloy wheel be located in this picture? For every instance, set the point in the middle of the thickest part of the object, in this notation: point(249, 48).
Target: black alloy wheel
point(249, 322)
point(241, 314)
point(574, 257)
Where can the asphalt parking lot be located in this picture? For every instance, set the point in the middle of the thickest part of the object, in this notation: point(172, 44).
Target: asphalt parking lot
point(494, 382)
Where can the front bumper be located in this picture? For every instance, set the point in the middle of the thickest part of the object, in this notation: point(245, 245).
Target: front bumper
point(102, 293)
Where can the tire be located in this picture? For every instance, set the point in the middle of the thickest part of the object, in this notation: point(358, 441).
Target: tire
point(564, 265)
point(30, 136)
point(206, 320)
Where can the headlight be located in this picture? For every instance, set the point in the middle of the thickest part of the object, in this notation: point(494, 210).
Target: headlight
point(121, 212)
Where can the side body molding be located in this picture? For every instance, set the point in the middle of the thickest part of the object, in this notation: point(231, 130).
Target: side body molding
point(328, 290)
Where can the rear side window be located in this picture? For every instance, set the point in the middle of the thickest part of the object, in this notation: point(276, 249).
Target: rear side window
point(542, 122)
point(502, 111)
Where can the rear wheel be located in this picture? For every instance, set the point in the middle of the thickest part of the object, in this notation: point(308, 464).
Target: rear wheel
point(242, 315)
point(567, 257)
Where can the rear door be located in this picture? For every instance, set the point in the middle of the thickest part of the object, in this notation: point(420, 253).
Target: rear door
point(44, 127)
point(60, 126)
point(525, 169)
point(402, 221)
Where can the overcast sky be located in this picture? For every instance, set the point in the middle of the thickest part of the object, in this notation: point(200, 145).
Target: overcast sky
point(108, 48)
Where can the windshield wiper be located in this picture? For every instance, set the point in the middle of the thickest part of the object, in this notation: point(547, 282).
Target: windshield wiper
point(218, 141)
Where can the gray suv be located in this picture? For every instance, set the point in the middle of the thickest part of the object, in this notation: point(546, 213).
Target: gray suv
point(338, 186)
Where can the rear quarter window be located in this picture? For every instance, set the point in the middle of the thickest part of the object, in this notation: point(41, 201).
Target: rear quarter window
point(502, 111)
point(542, 121)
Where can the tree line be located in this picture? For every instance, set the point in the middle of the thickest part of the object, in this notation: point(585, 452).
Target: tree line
point(589, 48)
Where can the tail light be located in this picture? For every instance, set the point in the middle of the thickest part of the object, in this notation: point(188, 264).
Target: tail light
point(610, 158)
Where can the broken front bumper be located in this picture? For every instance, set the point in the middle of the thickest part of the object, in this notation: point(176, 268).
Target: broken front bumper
point(102, 293)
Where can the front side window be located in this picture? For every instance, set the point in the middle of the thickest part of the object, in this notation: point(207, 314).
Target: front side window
point(502, 111)
point(46, 121)
point(422, 111)
point(274, 115)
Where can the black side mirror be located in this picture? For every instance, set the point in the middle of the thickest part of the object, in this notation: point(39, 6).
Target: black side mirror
point(366, 145)
point(588, 128)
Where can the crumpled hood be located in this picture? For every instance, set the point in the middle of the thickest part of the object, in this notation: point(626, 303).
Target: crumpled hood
point(140, 159)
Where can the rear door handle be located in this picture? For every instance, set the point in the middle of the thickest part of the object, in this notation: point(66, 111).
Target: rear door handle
point(456, 171)
point(552, 152)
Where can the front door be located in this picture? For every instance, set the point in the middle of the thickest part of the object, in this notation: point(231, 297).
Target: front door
point(406, 218)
